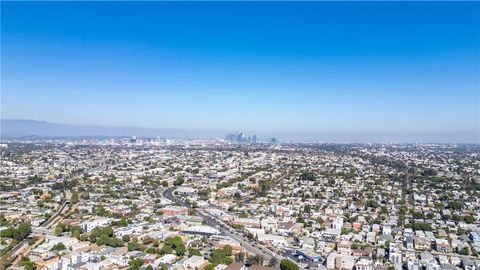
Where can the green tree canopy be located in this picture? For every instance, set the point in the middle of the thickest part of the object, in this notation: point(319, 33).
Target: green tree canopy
point(286, 264)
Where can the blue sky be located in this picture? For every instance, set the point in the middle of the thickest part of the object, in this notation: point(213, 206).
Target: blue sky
point(276, 68)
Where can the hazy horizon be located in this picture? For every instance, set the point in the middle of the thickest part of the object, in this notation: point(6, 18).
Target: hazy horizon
point(369, 71)
point(23, 127)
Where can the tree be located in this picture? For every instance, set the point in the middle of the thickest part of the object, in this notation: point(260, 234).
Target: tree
point(74, 198)
point(102, 240)
point(174, 243)
point(115, 242)
point(257, 259)
point(464, 251)
point(40, 203)
point(273, 262)
point(135, 264)
point(221, 256)
point(307, 176)
point(100, 210)
point(469, 219)
point(9, 232)
point(22, 231)
point(58, 230)
point(417, 215)
point(151, 250)
point(75, 228)
point(422, 226)
point(179, 181)
point(126, 238)
point(180, 250)
point(228, 250)
point(123, 223)
point(133, 246)
point(371, 203)
point(76, 234)
point(29, 265)
point(240, 256)
point(164, 183)
point(286, 264)
point(193, 251)
point(58, 247)
point(455, 205)
point(99, 231)
point(166, 249)
point(429, 172)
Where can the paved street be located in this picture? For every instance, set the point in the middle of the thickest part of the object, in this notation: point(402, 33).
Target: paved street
point(250, 245)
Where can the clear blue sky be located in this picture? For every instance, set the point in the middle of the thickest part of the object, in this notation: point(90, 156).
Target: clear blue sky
point(311, 67)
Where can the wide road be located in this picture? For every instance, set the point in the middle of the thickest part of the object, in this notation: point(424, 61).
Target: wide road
point(250, 245)
point(99, 168)
point(52, 219)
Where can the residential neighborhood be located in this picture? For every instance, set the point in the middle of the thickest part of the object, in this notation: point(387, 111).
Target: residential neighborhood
point(217, 204)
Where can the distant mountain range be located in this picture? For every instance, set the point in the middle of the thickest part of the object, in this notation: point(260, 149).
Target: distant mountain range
point(18, 128)
point(22, 128)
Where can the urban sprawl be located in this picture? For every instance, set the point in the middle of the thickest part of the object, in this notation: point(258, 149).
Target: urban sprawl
point(242, 203)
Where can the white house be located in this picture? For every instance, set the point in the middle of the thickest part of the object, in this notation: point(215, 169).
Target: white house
point(194, 262)
point(87, 226)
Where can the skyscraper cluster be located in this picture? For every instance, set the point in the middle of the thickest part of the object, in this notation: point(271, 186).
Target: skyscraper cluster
point(239, 137)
